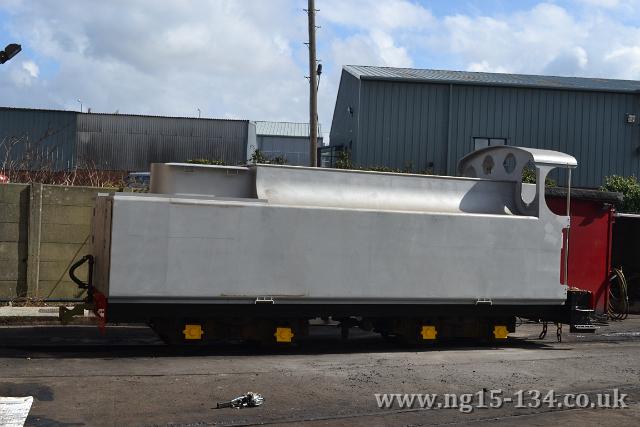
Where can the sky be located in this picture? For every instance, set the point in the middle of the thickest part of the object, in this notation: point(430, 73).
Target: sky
point(246, 59)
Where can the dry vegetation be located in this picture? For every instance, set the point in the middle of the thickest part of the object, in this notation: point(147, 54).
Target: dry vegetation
point(25, 161)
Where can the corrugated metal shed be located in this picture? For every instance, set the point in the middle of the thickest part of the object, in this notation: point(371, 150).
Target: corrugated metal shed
point(492, 79)
point(294, 150)
point(284, 129)
point(285, 139)
point(126, 142)
point(66, 139)
point(407, 126)
point(426, 120)
point(37, 138)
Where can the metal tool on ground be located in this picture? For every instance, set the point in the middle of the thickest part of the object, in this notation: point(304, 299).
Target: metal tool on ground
point(248, 400)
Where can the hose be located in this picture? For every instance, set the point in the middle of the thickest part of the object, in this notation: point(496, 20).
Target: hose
point(82, 285)
point(618, 305)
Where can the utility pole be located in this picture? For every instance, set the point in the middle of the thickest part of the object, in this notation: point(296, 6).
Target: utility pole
point(313, 86)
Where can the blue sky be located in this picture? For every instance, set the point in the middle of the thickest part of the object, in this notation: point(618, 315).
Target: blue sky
point(246, 59)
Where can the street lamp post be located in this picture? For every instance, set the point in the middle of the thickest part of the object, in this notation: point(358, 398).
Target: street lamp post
point(9, 52)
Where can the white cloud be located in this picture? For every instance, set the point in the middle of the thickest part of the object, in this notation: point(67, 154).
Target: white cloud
point(485, 67)
point(389, 53)
point(31, 68)
point(373, 48)
point(246, 59)
point(573, 60)
point(22, 75)
point(628, 55)
point(545, 39)
point(375, 28)
point(385, 15)
point(601, 3)
point(225, 57)
point(524, 42)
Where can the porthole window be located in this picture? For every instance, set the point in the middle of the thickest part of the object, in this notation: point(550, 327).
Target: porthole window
point(509, 163)
point(488, 165)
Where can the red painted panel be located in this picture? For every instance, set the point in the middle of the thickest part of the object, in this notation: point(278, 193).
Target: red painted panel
point(589, 246)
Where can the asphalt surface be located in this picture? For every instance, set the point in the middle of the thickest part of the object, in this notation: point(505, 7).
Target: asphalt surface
point(126, 377)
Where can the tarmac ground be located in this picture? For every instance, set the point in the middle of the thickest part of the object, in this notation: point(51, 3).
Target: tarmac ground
point(127, 377)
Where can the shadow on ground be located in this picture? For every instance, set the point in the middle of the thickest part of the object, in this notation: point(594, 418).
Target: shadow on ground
point(140, 341)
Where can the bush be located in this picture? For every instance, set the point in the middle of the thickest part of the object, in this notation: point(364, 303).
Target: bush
point(205, 162)
point(529, 177)
point(343, 161)
point(259, 157)
point(630, 189)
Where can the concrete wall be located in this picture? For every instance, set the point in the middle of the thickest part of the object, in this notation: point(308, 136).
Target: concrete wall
point(14, 219)
point(43, 230)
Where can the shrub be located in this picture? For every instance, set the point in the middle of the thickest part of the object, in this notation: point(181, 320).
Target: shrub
point(344, 160)
point(630, 189)
point(205, 162)
point(529, 177)
point(259, 157)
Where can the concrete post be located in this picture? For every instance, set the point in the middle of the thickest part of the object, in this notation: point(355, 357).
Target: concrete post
point(35, 231)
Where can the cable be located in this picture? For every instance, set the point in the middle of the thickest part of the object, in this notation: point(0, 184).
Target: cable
point(618, 305)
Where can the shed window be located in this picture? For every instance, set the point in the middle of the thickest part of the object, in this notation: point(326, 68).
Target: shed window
point(329, 155)
point(482, 142)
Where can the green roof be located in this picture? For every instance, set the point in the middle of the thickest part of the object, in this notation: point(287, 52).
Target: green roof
point(285, 129)
point(492, 79)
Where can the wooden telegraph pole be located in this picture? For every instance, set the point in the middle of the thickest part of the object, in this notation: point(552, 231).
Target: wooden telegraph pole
point(313, 86)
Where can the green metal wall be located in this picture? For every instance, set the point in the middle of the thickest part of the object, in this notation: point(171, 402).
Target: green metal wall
point(403, 126)
point(431, 126)
point(590, 126)
point(344, 127)
point(49, 137)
